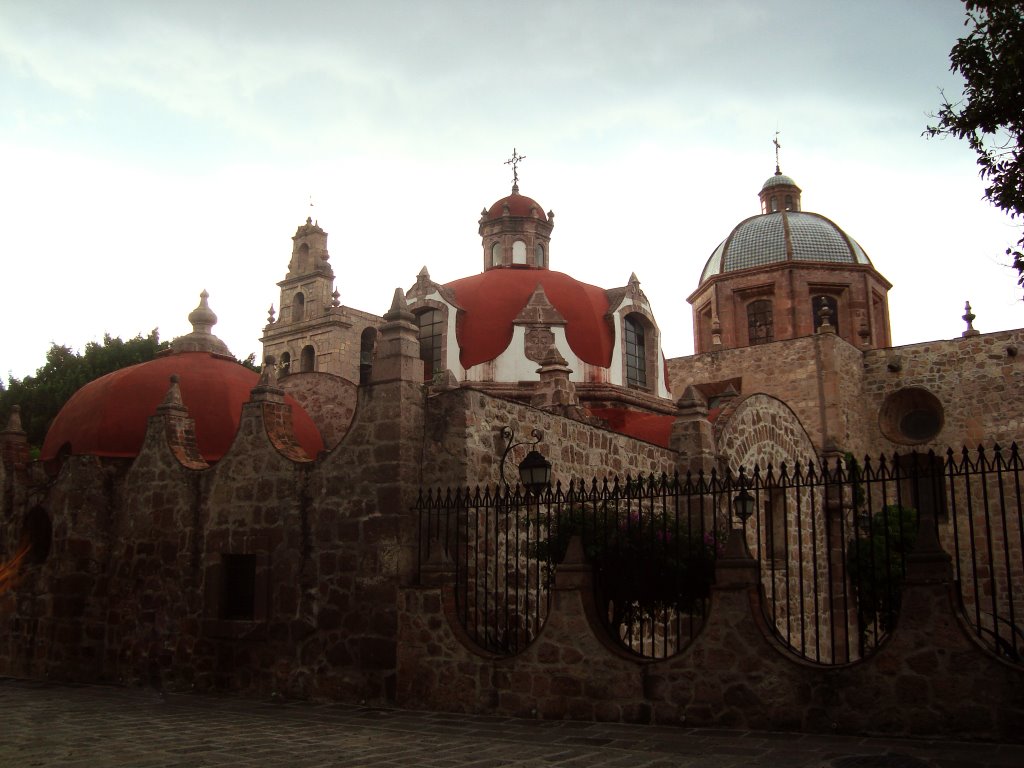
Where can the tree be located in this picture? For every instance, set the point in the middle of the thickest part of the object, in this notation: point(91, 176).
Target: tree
point(990, 115)
point(43, 395)
point(65, 372)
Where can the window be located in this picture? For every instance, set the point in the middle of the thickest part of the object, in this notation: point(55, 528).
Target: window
point(518, 252)
point(760, 328)
point(367, 342)
point(298, 307)
point(540, 256)
point(636, 353)
point(496, 255)
point(238, 601)
point(286, 363)
point(820, 301)
point(789, 202)
point(431, 325)
point(307, 362)
point(303, 261)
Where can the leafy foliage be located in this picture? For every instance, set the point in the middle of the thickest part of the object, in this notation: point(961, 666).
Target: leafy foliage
point(990, 116)
point(43, 395)
point(877, 565)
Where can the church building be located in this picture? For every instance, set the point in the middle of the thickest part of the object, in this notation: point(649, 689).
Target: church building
point(194, 525)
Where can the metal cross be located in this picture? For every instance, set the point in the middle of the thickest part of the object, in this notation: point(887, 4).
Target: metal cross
point(514, 162)
point(775, 141)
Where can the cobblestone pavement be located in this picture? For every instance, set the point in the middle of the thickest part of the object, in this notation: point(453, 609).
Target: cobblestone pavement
point(46, 724)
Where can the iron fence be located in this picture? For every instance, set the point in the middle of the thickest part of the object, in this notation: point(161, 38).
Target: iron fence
point(831, 541)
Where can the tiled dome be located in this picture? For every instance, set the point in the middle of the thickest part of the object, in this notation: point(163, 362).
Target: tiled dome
point(783, 236)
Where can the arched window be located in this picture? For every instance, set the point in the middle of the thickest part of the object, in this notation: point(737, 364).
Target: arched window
point(367, 343)
point(431, 334)
point(822, 301)
point(298, 307)
point(760, 327)
point(307, 362)
point(636, 352)
point(518, 252)
point(286, 363)
point(789, 202)
point(496, 255)
point(303, 261)
point(540, 255)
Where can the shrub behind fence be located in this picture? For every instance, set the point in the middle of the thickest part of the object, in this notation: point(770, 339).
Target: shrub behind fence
point(831, 540)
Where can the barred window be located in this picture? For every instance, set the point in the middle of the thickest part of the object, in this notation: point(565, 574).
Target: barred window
point(760, 327)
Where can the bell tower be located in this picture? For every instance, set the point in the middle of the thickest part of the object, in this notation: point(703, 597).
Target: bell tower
point(312, 332)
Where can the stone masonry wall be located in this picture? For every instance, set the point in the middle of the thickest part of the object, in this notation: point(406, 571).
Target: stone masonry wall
point(924, 682)
point(788, 370)
point(463, 444)
point(978, 380)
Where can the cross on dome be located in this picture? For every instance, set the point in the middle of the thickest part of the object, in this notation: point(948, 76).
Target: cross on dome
point(514, 162)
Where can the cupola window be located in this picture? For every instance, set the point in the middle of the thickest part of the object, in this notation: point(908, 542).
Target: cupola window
point(307, 361)
point(286, 363)
point(817, 303)
point(298, 307)
point(431, 335)
point(518, 252)
point(496, 255)
point(636, 353)
point(760, 326)
point(540, 256)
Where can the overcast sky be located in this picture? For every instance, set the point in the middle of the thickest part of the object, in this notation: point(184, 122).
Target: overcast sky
point(149, 150)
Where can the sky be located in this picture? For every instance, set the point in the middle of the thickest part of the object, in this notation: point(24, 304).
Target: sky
point(151, 150)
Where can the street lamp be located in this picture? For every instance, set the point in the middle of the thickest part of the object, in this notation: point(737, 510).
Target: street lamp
point(534, 470)
point(743, 503)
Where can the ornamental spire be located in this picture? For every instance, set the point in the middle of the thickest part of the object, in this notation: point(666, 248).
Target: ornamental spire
point(775, 141)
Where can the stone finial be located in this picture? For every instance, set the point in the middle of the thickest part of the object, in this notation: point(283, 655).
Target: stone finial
point(968, 318)
point(201, 339)
point(825, 315)
point(716, 334)
point(202, 317)
point(14, 422)
point(269, 365)
point(399, 308)
point(270, 315)
point(539, 310)
point(692, 399)
point(335, 298)
point(727, 395)
point(172, 401)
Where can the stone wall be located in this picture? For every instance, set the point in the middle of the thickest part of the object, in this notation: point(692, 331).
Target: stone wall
point(923, 682)
point(978, 380)
point(463, 443)
point(789, 370)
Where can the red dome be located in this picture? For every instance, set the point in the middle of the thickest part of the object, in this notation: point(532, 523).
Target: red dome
point(518, 205)
point(491, 301)
point(108, 416)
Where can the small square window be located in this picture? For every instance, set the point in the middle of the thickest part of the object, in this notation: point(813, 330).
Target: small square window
point(239, 599)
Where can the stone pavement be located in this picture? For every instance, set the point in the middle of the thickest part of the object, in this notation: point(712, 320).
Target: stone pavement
point(49, 724)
